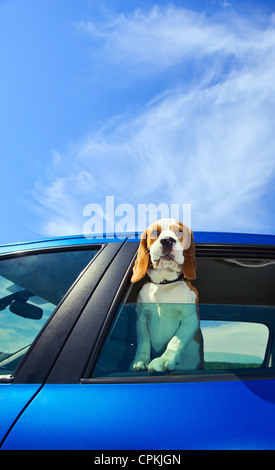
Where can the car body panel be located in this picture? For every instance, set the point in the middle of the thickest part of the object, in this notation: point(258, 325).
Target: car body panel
point(13, 399)
point(213, 415)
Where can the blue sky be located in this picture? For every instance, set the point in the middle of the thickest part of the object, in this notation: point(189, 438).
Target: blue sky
point(147, 101)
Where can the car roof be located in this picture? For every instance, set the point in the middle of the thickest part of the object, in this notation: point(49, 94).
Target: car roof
point(78, 240)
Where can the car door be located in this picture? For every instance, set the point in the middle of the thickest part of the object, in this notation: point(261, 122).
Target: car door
point(42, 293)
point(91, 400)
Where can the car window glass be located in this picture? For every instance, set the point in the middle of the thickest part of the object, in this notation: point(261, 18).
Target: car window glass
point(237, 321)
point(31, 286)
point(232, 344)
point(227, 344)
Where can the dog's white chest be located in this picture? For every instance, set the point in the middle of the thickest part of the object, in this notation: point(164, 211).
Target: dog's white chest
point(162, 324)
point(166, 306)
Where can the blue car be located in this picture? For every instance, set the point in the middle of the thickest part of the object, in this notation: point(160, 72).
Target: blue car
point(68, 338)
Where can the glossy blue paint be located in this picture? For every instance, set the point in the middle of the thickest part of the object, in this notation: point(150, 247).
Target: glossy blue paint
point(211, 415)
point(59, 242)
point(13, 399)
point(234, 238)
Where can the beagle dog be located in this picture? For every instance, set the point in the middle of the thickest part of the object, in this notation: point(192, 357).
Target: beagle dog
point(168, 326)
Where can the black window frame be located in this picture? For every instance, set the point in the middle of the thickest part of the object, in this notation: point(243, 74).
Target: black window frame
point(94, 321)
point(203, 250)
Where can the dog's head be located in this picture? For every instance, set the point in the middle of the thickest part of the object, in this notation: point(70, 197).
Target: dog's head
point(166, 244)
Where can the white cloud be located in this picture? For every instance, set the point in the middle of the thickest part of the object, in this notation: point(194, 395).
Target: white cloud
point(209, 142)
point(164, 37)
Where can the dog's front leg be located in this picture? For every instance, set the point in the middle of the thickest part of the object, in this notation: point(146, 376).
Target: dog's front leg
point(185, 333)
point(142, 357)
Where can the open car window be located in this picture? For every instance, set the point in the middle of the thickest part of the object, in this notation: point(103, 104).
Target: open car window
point(237, 321)
point(31, 286)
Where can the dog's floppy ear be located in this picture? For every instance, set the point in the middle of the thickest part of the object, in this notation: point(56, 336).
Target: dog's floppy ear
point(142, 261)
point(189, 266)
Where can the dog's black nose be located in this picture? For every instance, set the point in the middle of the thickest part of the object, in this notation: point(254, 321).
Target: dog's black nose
point(167, 243)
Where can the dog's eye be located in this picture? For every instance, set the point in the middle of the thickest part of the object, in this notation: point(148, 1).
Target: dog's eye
point(155, 234)
point(179, 233)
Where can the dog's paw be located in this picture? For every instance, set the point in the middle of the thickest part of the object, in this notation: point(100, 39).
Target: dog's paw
point(140, 365)
point(161, 364)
